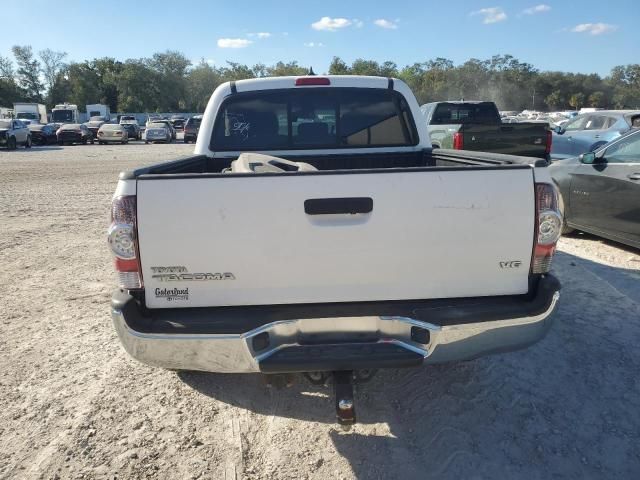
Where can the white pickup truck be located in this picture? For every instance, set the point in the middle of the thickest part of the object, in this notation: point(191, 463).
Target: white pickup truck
point(315, 230)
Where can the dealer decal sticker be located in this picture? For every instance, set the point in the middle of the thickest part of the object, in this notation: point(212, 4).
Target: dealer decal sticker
point(173, 294)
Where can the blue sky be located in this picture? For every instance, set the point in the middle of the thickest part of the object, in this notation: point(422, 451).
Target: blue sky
point(580, 36)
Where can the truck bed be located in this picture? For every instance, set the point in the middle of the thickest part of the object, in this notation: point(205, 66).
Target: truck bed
point(203, 164)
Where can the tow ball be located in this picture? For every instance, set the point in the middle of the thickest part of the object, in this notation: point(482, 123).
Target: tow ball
point(343, 387)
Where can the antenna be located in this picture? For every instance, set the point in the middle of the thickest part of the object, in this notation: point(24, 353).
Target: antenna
point(311, 72)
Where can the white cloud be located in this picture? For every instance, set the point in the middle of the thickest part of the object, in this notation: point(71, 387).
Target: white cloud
point(210, 61)
point(331, 24)
point(260, 34)
point(491, 14)
point(594, 28)
point(233, 42)
point(537, 9)
point(383, 23)
point(358, 23)
point(313, 44)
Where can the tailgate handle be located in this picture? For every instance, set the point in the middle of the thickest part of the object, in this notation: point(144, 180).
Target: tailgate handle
point(328, 206)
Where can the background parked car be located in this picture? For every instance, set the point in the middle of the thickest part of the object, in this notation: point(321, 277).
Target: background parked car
point(157, 132)
point(167, 124)
point(112, 133)
point(71, 133)
point(178, 123)
point(589, 131)
point(43, 134)
point(13, 133)
point(133, 129)
point(601, 190)
point(191, 128)
point(94, 124)
point(153, 118)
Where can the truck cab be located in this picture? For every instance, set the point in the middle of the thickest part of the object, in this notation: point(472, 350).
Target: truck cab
point(99, 110)
point(30, 112)
point(65, 113)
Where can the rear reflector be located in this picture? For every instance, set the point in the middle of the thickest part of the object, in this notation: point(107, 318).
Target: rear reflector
point(304, 81)
point(548, 227)
point(458, 141)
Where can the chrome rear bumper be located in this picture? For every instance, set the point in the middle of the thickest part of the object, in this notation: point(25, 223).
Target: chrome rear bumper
point(315, 344)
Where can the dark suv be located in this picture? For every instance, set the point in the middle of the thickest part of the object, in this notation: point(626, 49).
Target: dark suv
point(191, 128)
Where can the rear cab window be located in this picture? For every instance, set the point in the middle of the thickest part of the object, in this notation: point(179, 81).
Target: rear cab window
point(456, 113)
point(313, 118)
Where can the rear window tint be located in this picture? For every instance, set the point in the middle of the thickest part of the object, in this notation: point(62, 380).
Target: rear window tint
point(313, 118)
point(454, 113)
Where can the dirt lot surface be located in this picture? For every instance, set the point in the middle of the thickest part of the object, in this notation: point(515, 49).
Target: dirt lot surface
point(74, 405)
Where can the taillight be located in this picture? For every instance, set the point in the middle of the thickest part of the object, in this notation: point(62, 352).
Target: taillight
point(458, 141)
point(548, 227)
point(123, 240)
point(547, 148)
point(303, 81)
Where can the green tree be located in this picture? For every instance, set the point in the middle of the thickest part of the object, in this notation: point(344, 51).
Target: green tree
point(282, 69)
point(52, 64)
point(577, 100)
point(28, 72)
point(625, 82)
point(596, 99)
point(201, 82)
point(9, 90)
point(171, 67)
point(107, 70)
point(338, 67)
point(138, 87)
point(555, 100)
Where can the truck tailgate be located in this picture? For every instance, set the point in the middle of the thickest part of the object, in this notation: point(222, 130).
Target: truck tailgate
point(525, 139)
point(261, 239)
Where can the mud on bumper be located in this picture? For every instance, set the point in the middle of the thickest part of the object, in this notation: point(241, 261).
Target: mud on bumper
point(301, 338)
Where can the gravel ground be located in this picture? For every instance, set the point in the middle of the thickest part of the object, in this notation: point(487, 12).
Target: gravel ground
point(76, 406)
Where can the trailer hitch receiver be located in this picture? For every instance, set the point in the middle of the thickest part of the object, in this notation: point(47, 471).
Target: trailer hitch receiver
point(345, 408)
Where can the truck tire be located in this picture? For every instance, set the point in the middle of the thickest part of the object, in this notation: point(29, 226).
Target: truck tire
point(84, 141)
point(11, 143)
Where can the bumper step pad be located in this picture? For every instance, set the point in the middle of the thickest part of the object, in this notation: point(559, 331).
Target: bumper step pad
point(312, 358)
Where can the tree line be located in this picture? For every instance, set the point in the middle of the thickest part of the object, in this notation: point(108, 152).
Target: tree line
point(170, 82)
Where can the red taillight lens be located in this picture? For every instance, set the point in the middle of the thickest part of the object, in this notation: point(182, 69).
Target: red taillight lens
point(548, 227)
point(123, 240)
point(303, 81)
point(458, 141)
point(547, 149)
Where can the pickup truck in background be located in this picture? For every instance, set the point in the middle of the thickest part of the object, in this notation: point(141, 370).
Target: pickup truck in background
point(314, 230)
point(477, 126)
